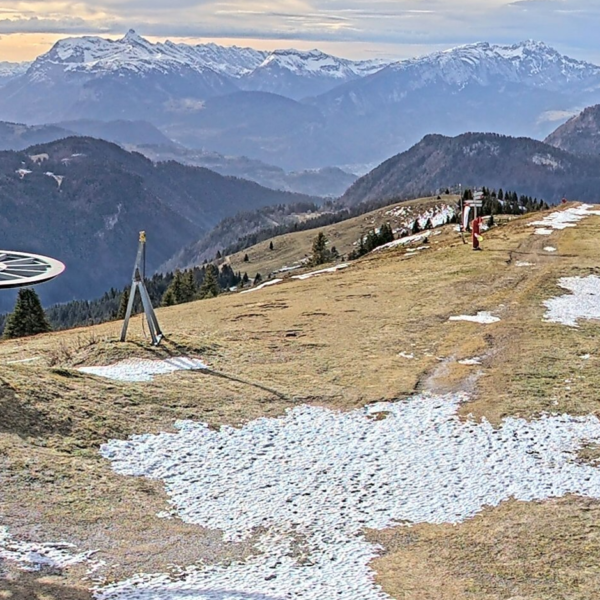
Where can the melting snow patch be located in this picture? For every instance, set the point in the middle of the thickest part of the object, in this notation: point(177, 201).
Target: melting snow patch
point(549, 249)
point(542, 231)
point(406, 355)
point(481, 317)
point(520, 263)
point(22, 172)
point(262, 286)
point(564, 218)
point(330, 270)
point(322, 477)
point(33, 557)
point(57, 178)
point(470, 361)
point(583, 303)
point(139, 369)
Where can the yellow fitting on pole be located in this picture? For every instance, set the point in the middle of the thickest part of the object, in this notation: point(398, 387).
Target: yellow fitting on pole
point(143, 236)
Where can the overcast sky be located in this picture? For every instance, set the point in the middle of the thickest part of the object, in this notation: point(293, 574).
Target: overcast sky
point(352, 28)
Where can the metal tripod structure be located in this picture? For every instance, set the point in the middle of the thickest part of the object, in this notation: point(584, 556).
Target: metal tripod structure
point(137, 283)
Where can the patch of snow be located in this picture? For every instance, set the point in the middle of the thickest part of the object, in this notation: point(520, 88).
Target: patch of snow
point(139, 369)
point(521, 263)
point(470, 361)
point(542, 231)
point(57, 178)
point(22, 172)
point(585, 356)
point(322, 477)
point(583, 303)
point(549, 249)
point(562, 219)
point(481, 317)
point(329, 270)
point(262, 286)
point(546, 160)
point(33, 557)
point(406, 355)
point(39, 158)
point(24, 360)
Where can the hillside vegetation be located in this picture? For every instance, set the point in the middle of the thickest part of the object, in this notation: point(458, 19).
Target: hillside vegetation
point(378, 330)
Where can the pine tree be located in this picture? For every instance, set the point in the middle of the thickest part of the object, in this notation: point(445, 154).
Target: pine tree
point(246, 259)
point(416, 227)
point(123, 305)
point(28, 317)
point(428, 224)
point(168, 298)
point(189, 289)
point(320, 254)
point(271, 246)
point(210, 285)
point(491, 221)
point(257, 279)
point(245, 279)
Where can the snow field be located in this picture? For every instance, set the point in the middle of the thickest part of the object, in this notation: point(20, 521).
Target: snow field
point(139, 369)
point(314, 479)
point(583, 303)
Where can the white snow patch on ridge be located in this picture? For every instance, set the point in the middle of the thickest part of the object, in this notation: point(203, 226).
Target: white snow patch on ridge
point(33, 557)
point(313, 273)
point(322, 477)
point(262, 286)
point(139, 369)
point(584, 303)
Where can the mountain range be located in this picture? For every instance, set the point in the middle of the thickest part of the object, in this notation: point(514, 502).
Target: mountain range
point(301, 110)
point(480, 159)
point(84, 201)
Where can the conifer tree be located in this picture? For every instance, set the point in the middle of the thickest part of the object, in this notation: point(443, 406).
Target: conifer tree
point(257, 279)
point(320, 254)
point(168, 298)
point(246, 259)
point(271, 246)
point(123, 305)
point(210, 285)
point(416, 227)
point(28, 317)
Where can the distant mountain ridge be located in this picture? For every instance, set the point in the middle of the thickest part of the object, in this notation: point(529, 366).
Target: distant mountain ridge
point(580, 134)
point(477, 159)
point(301, 110)
point(12, 70)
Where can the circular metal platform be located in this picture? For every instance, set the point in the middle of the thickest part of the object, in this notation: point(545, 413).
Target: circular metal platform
point(18, 269)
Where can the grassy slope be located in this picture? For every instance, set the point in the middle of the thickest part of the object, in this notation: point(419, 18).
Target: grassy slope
point(290, 248)
point(332, 340)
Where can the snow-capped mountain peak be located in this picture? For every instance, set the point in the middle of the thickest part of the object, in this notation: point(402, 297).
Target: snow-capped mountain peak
point(530, 62)
point(136, 54)
point(315, 63)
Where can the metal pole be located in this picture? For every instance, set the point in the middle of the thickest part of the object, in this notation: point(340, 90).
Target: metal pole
point(138, 282)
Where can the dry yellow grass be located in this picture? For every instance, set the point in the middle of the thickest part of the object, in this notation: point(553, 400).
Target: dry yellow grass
point(333, 340)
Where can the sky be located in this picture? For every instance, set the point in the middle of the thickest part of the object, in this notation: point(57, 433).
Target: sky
point(350, 28)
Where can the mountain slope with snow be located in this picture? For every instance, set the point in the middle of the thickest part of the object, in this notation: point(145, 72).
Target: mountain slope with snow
point(298, 74)
point(11, 70)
